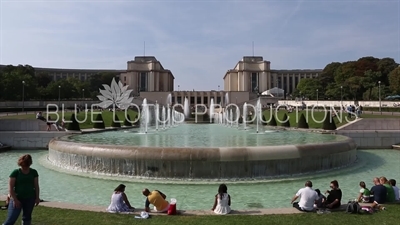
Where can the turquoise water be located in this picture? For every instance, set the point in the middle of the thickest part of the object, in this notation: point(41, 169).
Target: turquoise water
point(57, 186)
point(204, 135)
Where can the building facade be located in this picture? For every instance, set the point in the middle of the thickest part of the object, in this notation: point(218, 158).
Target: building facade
point(146, 74)
point(253, 74)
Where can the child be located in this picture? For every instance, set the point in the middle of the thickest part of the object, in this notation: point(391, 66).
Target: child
point(364, 194)
point(222, 201)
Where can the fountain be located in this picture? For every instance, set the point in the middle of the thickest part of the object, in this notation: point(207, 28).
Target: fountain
point(226, 99)
point(212, 110)
point(163, 117)
point(202, 151)
point(186, 108)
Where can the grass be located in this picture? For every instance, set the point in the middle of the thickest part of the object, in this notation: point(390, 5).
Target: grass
point(107, 117)
point(52, 216)
point(315, 119)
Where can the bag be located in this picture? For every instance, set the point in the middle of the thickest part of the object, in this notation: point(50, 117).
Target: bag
point(353, 207)
point(172, 207)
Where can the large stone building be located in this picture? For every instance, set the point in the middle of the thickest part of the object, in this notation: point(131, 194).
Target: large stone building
point(146, 76)
point(253, 74)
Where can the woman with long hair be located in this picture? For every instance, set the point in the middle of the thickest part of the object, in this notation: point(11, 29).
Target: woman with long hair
point(23, 186)
point(119, 201)
point(222, 202)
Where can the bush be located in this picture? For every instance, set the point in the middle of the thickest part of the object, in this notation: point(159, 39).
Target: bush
point(302, 122)
point(285, 120)
point(74, 125)
point(115, 122)
point(272, 122)
point(99, 125)
point(264, 122)
point(329, 122)
point(137, 120)
point(127, 121)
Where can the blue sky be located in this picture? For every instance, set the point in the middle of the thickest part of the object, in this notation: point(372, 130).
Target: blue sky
point(197, 40)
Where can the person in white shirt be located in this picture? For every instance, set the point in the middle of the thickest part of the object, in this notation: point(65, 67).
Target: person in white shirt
point(396, 190)
point(307, 198)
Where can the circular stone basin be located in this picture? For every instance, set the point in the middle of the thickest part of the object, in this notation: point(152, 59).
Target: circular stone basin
point(207, 151)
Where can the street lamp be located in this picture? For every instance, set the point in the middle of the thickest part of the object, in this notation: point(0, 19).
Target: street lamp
point(23, 95)
point(317, 99)
point(178, 87)
point(379, 90)
point(341, 96)
point(59, 94)
point(218, 87)
point(83, 97)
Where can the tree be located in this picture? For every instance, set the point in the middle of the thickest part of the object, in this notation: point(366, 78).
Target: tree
point(394, 79)
point(73, 125)
point(116, 122)
point(15, 81)
point(329, 122)
point(344, 71)
point(272, 121)
point(366, 63)
point(99, 125)
point(385, 66)
point(264, 122)
point(327, 75)
point(302, 122)
point(370, 80)
point(127, 121)
point(308, 87)
point(43, 79)
point(285, 121)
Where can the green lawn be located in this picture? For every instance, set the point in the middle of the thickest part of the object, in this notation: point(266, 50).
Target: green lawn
point(107, 117)
point(53, 216)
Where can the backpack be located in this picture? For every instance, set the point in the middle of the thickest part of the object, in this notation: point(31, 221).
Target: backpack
point(353, 207)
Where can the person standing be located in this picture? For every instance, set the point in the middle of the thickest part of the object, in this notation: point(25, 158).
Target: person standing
point(24, 191)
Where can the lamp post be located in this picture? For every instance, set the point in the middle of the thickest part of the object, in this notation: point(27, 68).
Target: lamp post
point(341, 96)
point(317, 99)
point(178, 87)
point(83, 97)
point(218, 87)
point(59, 94)
point(379, 90)
point(23, 95)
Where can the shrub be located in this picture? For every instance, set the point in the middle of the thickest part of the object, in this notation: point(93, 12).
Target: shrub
point(127, 121)
point(264, 122)
point(285, 120)
point(73, 125)
point(302, 122)
point(137, 120)
point(329, 122)
point(115, 122)
point(272, 121)
point(99, 125)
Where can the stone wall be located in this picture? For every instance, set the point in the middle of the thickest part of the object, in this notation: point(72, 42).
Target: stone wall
point(28, 139)
point(374, 124)
point(22, 125)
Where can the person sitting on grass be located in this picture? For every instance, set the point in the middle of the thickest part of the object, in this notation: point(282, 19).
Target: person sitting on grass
point(379, 191)
point(307, 198)
point(395, 189)
point(319, 203)
point(222, 202)
point(156, 198)
point(364, 193)
point(334, 196)
point(119, 201)
point(390, 196)
point(39, 116)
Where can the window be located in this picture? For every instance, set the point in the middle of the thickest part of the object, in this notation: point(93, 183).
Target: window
point(254, 82)
point(284, 83)
point(218, 100)
point(205, 101)
point(296, 81)
point(191, 100)
point(143, 81)
point(198, 100)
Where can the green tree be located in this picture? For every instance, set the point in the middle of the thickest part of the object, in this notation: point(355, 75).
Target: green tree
point(327, 75)
point(308, 88)
point(15, 81)
point(329, 122)
point(285, 121)
point(369, 81)
point(366, 63)
point(73, 125)
point(302, 122)
point(394, 80)
point(385, 66)
point(345, 71)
